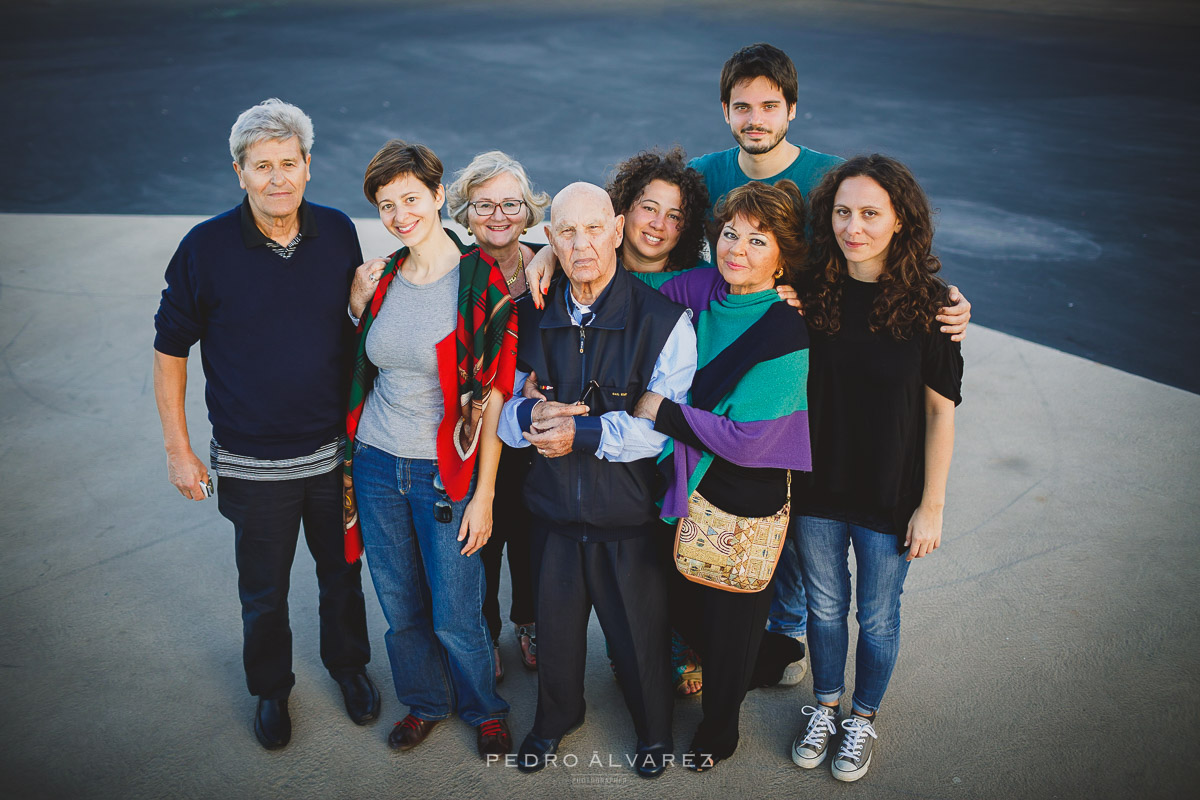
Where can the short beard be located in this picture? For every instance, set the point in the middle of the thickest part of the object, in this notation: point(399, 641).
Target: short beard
point(766, 146)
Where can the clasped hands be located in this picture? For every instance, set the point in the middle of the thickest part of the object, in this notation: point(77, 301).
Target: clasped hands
point(552, 424)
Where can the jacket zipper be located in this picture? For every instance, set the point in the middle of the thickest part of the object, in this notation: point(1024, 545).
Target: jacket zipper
point(582, 383)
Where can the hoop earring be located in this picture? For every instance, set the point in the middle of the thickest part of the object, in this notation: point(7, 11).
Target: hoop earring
point(779, 273)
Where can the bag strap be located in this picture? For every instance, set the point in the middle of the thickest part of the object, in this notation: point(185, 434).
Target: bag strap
point(789, 479)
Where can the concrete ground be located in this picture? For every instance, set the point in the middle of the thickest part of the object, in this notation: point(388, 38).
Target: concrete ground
point(1049, 650)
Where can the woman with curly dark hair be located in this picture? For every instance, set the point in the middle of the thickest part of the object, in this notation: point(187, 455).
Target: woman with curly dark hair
point(663, 200)
point(883, 386)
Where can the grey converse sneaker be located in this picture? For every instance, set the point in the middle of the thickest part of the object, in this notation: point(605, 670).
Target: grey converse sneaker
point(854, 756)
point(795, 671)
point(812, 743)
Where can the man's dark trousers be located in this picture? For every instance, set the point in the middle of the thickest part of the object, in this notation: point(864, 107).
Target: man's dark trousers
point(624, 581)
point(266, 517)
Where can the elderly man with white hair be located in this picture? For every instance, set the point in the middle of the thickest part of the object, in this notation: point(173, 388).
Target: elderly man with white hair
point(263, 288)
point(602, 340)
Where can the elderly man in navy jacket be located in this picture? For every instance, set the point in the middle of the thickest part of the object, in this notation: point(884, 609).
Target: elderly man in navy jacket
point(602, 340)
point(263, 288)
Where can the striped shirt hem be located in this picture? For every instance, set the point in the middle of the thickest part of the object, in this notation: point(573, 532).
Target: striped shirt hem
point(230, 465)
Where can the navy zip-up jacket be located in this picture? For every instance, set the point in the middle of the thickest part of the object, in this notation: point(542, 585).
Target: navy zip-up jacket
point(588, 497)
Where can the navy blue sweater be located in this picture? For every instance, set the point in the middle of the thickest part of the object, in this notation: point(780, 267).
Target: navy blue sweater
point(275, 339)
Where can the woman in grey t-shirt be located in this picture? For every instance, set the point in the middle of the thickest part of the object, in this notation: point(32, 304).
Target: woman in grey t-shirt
point(437, 337)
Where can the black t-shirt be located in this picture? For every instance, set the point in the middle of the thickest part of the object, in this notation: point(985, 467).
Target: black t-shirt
point(866, 400)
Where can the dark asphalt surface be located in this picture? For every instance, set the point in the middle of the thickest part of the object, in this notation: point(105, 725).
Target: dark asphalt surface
point(1059, 151)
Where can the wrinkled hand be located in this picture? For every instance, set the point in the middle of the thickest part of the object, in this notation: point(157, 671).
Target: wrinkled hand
point(790, 296)
point(557, 440)
point(955, 317)
point(538, 273)
point(550, 415)
point(476, 525)
point(924, 532)
point(530, 390)
point(186, 473)
point(366, 278)
point(648, 405)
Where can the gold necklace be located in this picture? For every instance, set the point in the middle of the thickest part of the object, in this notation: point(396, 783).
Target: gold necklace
point(520, 268)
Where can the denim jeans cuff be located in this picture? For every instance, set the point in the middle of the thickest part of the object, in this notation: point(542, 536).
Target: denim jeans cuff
point(862, 710)
point(829, 697)
point(788, 630)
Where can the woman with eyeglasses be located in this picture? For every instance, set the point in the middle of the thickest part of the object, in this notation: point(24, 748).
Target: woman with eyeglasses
point(436, 353)
point(492, 197)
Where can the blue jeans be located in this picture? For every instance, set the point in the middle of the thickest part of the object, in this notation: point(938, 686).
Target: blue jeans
point(432, 597)
point(789, 609)
point(824, 546)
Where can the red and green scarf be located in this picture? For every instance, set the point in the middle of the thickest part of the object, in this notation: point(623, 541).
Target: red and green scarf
point(483, 358)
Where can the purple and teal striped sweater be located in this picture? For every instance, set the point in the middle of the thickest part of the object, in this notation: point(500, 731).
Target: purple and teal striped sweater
point(748, 403)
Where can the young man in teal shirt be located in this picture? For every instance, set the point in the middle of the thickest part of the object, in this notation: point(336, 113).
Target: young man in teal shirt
point(758, 95)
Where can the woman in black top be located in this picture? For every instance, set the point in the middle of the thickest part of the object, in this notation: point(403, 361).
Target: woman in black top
point(883, 386)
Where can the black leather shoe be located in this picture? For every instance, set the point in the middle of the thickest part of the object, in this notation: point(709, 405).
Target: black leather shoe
point(409, 732)
point(532, 756)
point(651, 760)
point(361, 696)
point(272, 724)
point(494, 739)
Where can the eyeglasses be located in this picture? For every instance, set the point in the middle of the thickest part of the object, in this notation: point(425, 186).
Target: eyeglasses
point(442, 511)
point(509, 208)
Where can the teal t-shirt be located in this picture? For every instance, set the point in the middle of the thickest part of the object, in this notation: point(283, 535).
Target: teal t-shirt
point(722, 173)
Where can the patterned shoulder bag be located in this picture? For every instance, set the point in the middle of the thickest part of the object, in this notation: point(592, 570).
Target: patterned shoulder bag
point(725, 551)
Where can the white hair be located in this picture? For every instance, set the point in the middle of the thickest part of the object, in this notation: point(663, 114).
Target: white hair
point(270, 119)
point(482, 169)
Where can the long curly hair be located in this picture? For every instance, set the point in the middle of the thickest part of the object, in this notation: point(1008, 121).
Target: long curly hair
point(911, 292)
point(778, 210)
point(634, 174)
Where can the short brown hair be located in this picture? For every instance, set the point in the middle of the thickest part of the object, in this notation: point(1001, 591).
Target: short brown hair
point(778, 210)
point(397, 158)
point(760, 60)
